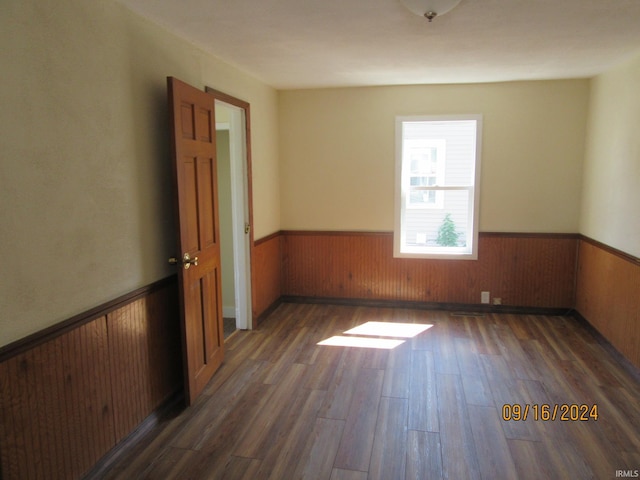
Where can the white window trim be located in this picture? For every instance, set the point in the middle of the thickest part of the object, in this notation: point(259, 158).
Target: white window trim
point(444, 253)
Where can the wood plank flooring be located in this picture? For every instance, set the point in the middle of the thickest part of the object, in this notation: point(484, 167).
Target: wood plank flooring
point(283, 407)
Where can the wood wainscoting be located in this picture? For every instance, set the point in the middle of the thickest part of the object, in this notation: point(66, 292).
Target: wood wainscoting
point(266, 272)
point(525, 270)
point(71, 393)
point(608, 295)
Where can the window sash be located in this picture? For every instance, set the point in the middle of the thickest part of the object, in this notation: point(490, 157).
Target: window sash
point(404, 190)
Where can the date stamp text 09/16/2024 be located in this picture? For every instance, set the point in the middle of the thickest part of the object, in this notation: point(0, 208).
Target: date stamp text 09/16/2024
point(566, 412)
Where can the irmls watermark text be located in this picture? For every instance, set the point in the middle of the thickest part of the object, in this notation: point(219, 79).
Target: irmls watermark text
point(627, 473)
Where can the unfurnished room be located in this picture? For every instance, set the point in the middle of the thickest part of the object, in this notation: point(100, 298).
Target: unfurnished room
point(281, 239)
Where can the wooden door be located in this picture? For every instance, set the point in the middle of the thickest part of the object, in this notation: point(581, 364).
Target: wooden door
point(194, 152)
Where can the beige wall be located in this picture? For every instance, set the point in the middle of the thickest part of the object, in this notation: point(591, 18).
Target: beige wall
point(223, 160)
point(85, 180)
point(337, 149)
point(611, 192)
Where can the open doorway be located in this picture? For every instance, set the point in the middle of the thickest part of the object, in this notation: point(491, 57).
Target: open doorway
point(234, 210)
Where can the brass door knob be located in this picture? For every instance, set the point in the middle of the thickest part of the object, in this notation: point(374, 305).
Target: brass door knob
point(187, 261)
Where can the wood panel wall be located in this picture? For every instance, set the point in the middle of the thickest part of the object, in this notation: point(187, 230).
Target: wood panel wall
point(523, 270)
point(266, 273)
point(145, 357)
point(51, 424)
point(67, 399)
point(608, 295)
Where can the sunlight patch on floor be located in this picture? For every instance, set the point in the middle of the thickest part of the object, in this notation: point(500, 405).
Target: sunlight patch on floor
point(389, 329)
point(367, 335)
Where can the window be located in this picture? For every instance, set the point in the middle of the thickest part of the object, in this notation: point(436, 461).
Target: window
point(437, 176)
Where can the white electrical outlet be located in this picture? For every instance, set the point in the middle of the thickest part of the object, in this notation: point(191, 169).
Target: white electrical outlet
point(497, 301)
point(485, 297)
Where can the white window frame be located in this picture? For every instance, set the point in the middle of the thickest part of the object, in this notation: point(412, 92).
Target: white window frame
point(400, 249)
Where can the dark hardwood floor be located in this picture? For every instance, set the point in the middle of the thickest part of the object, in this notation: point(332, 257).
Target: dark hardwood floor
point(283, 407)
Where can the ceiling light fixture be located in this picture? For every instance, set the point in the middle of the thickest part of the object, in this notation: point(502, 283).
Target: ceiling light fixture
point(430, 9)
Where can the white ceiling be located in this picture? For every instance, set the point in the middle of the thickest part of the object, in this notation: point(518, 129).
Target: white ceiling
point(326, 43)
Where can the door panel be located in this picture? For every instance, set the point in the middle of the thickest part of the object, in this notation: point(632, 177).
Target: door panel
point(190, 209)
point(194, 149)
point(206, 200)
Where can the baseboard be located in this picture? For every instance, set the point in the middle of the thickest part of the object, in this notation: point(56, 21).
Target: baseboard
point(452, 307)
point(173, 405)
point(629, 367)
point(269, 310)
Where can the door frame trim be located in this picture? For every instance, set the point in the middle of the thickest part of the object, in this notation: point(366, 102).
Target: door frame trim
point(236, 102)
